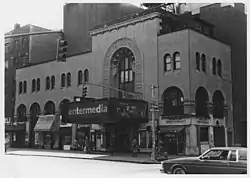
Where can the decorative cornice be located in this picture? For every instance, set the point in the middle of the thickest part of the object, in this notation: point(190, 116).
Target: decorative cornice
point(125, 23)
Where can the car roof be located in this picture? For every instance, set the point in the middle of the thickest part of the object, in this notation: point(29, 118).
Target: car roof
point(229, 148)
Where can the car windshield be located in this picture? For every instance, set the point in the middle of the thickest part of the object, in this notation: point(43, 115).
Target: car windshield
point(242, 154)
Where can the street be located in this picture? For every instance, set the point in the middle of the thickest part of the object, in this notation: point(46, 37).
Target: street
point(36, 166)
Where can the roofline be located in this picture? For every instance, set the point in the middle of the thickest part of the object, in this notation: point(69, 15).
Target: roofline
point(125, 23)
point(51, 60)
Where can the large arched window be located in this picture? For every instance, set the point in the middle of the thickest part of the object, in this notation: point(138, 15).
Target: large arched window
point(53, 82)
point(86, 75)
point(201, 99)
point(38, 84)
point(47, 83)
point(62, 105)
point(177, 60)
point(63, 80)
point(197, 55)
point(203, 59)
point(219, 68)
point(214, 66)
point(167, 63)
point(79, 77)
point(68, 79)
point(21, 112)
point(123, 58)
point(33, 87)
point(49, 108)
point(20, 87)
point(24, 86)
point(35, 110)
point(173, 102)
point(218, 104)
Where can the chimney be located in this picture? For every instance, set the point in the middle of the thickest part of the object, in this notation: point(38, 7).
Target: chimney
point(16, 26)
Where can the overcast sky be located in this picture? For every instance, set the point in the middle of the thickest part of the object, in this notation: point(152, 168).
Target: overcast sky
point(44, 13)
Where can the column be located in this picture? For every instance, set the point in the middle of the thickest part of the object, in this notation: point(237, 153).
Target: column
point(191, 141)
point(28, 131)
point(211, 125)
point(74, 128)
point(211, 136)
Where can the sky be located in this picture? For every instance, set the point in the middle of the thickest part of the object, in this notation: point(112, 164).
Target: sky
point(45, 13)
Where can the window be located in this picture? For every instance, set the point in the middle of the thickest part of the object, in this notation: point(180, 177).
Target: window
point(47, 83)
point(167, 63)
point(216, 155)
point(203, 57)
point(24, 43)
point(219, 68)
point(232, 156)
point(177, 61)
point(242, 154)
point(52, 82)
point(214, 66)
point(68, 79)
point(204, 134)
point(20, 87)
point(86, 75)
point(197, 61)
point(33, 86)
point(63, 80)
point(24, 86)
point(38, 84)
point(142, 139)
point(79, 77)
point(16, 45)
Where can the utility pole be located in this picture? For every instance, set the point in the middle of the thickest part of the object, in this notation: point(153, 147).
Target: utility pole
point(153, 109)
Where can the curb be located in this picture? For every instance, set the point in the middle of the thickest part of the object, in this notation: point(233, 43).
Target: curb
point(98, 159)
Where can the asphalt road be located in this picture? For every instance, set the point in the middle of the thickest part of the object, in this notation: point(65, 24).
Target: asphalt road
point(13, 166)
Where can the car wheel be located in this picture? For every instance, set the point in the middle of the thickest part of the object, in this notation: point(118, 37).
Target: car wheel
point(178, 170)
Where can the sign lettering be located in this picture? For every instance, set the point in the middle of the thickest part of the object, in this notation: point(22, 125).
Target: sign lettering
point(83, 111)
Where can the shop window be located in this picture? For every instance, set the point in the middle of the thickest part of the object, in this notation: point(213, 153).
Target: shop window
point(143, 139)
point(204, 134)
point(214, 66)
point(203, 58)
point(63, 80)
point(33, 86)
point(68, 79)
point(38, 84)
point(197, 61)
point(173, 102)
point(79, 77)
point(167, 63)
point(53, 82)
point(177, 61)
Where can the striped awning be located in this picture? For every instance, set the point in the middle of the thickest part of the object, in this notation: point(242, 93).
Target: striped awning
point(47, 123)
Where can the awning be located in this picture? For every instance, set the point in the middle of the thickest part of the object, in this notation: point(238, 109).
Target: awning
point(171, 129)
point(47, 123)
point(15, 128)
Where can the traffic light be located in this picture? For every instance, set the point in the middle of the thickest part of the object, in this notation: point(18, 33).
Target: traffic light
point(84, 91)
point(62, 46)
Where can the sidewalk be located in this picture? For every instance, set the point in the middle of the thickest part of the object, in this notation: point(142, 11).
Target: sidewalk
point(120, 157)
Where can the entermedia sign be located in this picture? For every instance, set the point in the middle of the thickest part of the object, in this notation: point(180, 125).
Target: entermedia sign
point(78, 111)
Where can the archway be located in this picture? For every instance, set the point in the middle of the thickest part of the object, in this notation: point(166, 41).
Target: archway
point(49, 108)
point(173, 101)
point(35, 111)
point(201, 99)
point(218, 103)
point(21, 112)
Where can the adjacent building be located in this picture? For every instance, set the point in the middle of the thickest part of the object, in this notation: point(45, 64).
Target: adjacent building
point(177, 53)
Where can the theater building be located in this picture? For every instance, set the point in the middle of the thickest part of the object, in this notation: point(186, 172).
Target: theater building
point(177, 53)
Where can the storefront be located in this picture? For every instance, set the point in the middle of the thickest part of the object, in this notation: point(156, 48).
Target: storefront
point(110, 124)
point(15, 135)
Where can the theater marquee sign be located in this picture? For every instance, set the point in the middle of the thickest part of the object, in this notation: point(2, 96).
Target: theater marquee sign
point(78, 111)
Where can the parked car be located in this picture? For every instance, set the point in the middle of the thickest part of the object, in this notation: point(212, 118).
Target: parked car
point(217, 160)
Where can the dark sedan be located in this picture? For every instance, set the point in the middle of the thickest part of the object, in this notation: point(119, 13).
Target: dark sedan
point(218, 160)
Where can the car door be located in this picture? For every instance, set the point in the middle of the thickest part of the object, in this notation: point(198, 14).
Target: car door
point(237, 164)
point(214, 162)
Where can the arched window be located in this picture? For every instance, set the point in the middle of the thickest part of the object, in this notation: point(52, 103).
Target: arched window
point(24, 86)
point(20, 87)
point(38, 84)
point(214, 66)
point(49, 108)
point(197, 55)
point(33, 87)
point(201, 99)
point(47, 83)
point(219, 68)
point(63, 80)
point(218, 103)
point(173, 102)
point(62, 105)
point(203, 58)
point(177, 61)
point(86, 75)
point(79, 77)
point(167, 63)
point(68, 79)
point(123, 58)
point(53, 82)
point(21, 112)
